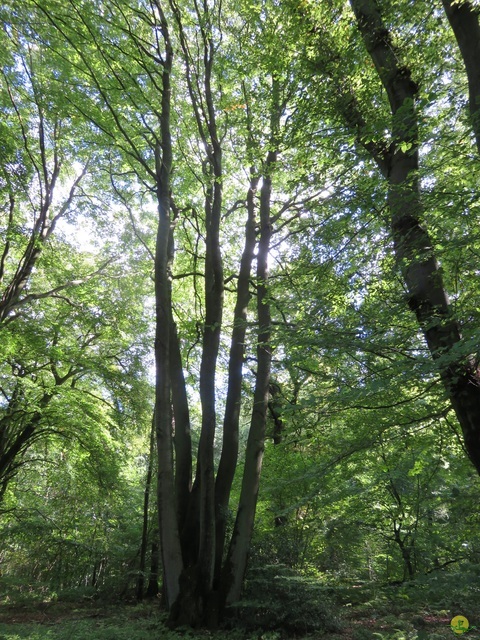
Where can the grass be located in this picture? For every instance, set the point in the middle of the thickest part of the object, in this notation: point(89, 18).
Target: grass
point(421, 610)
point(93, 622)
point(60, 621)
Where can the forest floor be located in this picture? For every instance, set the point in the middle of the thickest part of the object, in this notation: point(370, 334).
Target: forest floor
point(362, 612)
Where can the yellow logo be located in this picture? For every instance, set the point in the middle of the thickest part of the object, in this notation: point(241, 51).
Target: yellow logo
point(459, 624)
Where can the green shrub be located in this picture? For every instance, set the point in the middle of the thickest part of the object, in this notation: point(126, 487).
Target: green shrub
point(276, 598)
point(360, 633)
point(456, 592)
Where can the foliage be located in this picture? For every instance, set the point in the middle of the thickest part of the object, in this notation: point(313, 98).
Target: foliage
point(66, 519)
point(99, 622)
point(281, 127)
point(420, 610)
point(276, 598)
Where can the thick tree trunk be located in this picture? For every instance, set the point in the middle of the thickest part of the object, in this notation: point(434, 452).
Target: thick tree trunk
point(228, 459)
point(214, 287)
point(167, 512)
point(236, 562)
point(182, 439)
point(413, 247)
point(195, 604)
point(463, 18)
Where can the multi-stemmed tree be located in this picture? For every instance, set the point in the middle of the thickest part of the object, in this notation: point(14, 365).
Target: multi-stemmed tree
point(161, 85)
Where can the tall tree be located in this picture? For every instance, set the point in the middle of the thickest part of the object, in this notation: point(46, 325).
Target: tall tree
point(131, 90)
point(202, 115)
point(414, 249)
point(44, 278)
point(396, 154)
point(463, 17)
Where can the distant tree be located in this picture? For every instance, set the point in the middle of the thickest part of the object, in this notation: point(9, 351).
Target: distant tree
point(42, 169)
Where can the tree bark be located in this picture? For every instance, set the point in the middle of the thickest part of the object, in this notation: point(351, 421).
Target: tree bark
point(152, 587)
point(182, 438)
point(413, 247)
point(236, 562)
point(169, 534)
point(146, 512)
point(463, 19)
point(228, 459)
point(211, 342)
point(195, 603)
point(275, 411)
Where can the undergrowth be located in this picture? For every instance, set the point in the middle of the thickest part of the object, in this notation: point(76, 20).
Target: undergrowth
point(278, 604)
point(277, 598)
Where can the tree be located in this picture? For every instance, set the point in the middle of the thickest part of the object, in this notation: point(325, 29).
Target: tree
point(428, 297)
point(48, 325)
point(59, 355)
point(42, 170)
point(124, 67)
point(396, 155)
point(74, 512)
point(463, 18)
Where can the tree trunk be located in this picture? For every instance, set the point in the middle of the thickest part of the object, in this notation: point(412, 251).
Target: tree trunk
point(195, 604)
point(152, 587)
point(183, 440)
point(228, 459)
point(167, 512)
point(463, 18)
point(406, 551)
point(146, 511)
point(275, 410)
point(413, 247)
point(236, 562)
point(211, 343)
